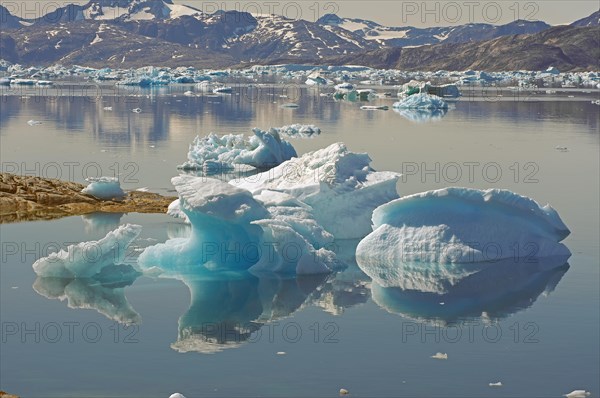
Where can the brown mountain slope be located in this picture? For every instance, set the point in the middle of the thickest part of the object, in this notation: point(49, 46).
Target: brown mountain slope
point(565, 47)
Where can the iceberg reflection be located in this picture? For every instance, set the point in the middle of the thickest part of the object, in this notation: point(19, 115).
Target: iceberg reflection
point(422, 115)
point(449, 293)
point(105, 292)
point(228, 308)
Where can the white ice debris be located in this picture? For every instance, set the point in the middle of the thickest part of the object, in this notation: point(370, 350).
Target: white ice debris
point(496, 384)
point(136, 110)
point(578, 394)
point(177, 395)
point(343, 391)
point(440, 355)
point(263, 150)
point(34, 122)
point(374, 107)
point(86, 259)
point(461, 225)
point(105, 188)
point(421, 101)
point(340, 186)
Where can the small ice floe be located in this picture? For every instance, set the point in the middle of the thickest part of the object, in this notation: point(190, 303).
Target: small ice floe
point(177, 395)
point(596, 102)
point(144, 189)
point(281, 352)
point(562, 148)
point(136, 110)
point(578, 394)
point(14, 287)
point(105, 188)
point(107, 108)
point(496, 384)
point(223, 90)
point(343, 391)
point(375, 107)
point(34, 122)
point(442, 303)
point(290, 105)
point(439, 355)
point(570, 96)
point(189, 94)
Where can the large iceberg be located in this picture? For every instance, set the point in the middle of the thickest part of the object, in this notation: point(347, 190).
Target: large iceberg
point(233, 230)
point(264, 149)
point(340, 186)
point(421, 101)
point(87, 259)
point(460, 225)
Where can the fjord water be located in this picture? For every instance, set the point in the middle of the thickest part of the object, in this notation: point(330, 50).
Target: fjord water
point(219, 335)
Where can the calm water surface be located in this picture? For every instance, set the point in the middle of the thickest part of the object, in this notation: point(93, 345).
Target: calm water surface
point(220, 335)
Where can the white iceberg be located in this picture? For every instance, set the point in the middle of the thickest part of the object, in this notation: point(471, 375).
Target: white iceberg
point(340, 186)
point(264, 149)
point(421, 101)
point(87, 259)
point(105, 188)
point(460, 225)
point(232, 230)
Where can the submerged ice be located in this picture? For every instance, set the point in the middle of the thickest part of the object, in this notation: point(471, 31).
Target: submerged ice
point(459, 225)
point(264, 149)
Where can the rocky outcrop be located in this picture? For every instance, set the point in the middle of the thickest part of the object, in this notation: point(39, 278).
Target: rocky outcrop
point(26, 198)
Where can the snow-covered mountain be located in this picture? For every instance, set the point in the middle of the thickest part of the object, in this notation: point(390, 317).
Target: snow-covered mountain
point(408, 36)
point(141, 32)
point(123, 10)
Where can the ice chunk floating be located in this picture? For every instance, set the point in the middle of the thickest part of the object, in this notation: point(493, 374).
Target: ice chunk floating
point(421, 101)
point(233, 230)
point(106, 188)
point(340, 186)
point(264, 149)
point(458, 225)
point(87, 259)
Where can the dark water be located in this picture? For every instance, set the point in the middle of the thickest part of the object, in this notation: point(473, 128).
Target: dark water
point(219, 335)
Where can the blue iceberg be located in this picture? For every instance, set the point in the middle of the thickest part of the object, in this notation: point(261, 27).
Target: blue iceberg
point(421, 101)
point(234, 230)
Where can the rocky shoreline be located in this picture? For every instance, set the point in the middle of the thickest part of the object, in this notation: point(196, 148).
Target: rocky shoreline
point(28, 198)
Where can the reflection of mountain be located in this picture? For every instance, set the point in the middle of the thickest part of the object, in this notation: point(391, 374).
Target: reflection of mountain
point(228, 309)
point(104, 293)
point(451, 292)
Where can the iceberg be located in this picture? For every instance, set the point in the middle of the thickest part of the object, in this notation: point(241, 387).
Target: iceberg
point(340, 186)
point(233, 230)
point(461, 225)
point(416, 87)
point(105, 188)
point(263, 150)
point(87, 259)
point(421, 101)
